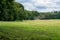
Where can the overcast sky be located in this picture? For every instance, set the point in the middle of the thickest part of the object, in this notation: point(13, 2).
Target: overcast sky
point(41, 5)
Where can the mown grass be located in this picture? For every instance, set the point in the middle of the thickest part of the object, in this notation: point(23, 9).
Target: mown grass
point(30, 30)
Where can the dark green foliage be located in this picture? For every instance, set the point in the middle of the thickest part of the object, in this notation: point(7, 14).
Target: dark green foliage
point(34, 15)
point(50, 15)
point(10, 10)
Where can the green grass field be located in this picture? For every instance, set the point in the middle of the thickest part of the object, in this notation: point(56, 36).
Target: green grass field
point(30, 30)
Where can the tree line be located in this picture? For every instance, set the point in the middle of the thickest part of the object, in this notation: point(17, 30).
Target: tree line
point(12, 11)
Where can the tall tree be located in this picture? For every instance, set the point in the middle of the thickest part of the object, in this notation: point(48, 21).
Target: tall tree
point(10, 10)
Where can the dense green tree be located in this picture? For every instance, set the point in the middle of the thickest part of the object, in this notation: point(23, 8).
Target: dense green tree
point(10, 10)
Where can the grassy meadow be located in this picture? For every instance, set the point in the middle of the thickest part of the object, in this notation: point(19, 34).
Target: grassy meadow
point(30, 30)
